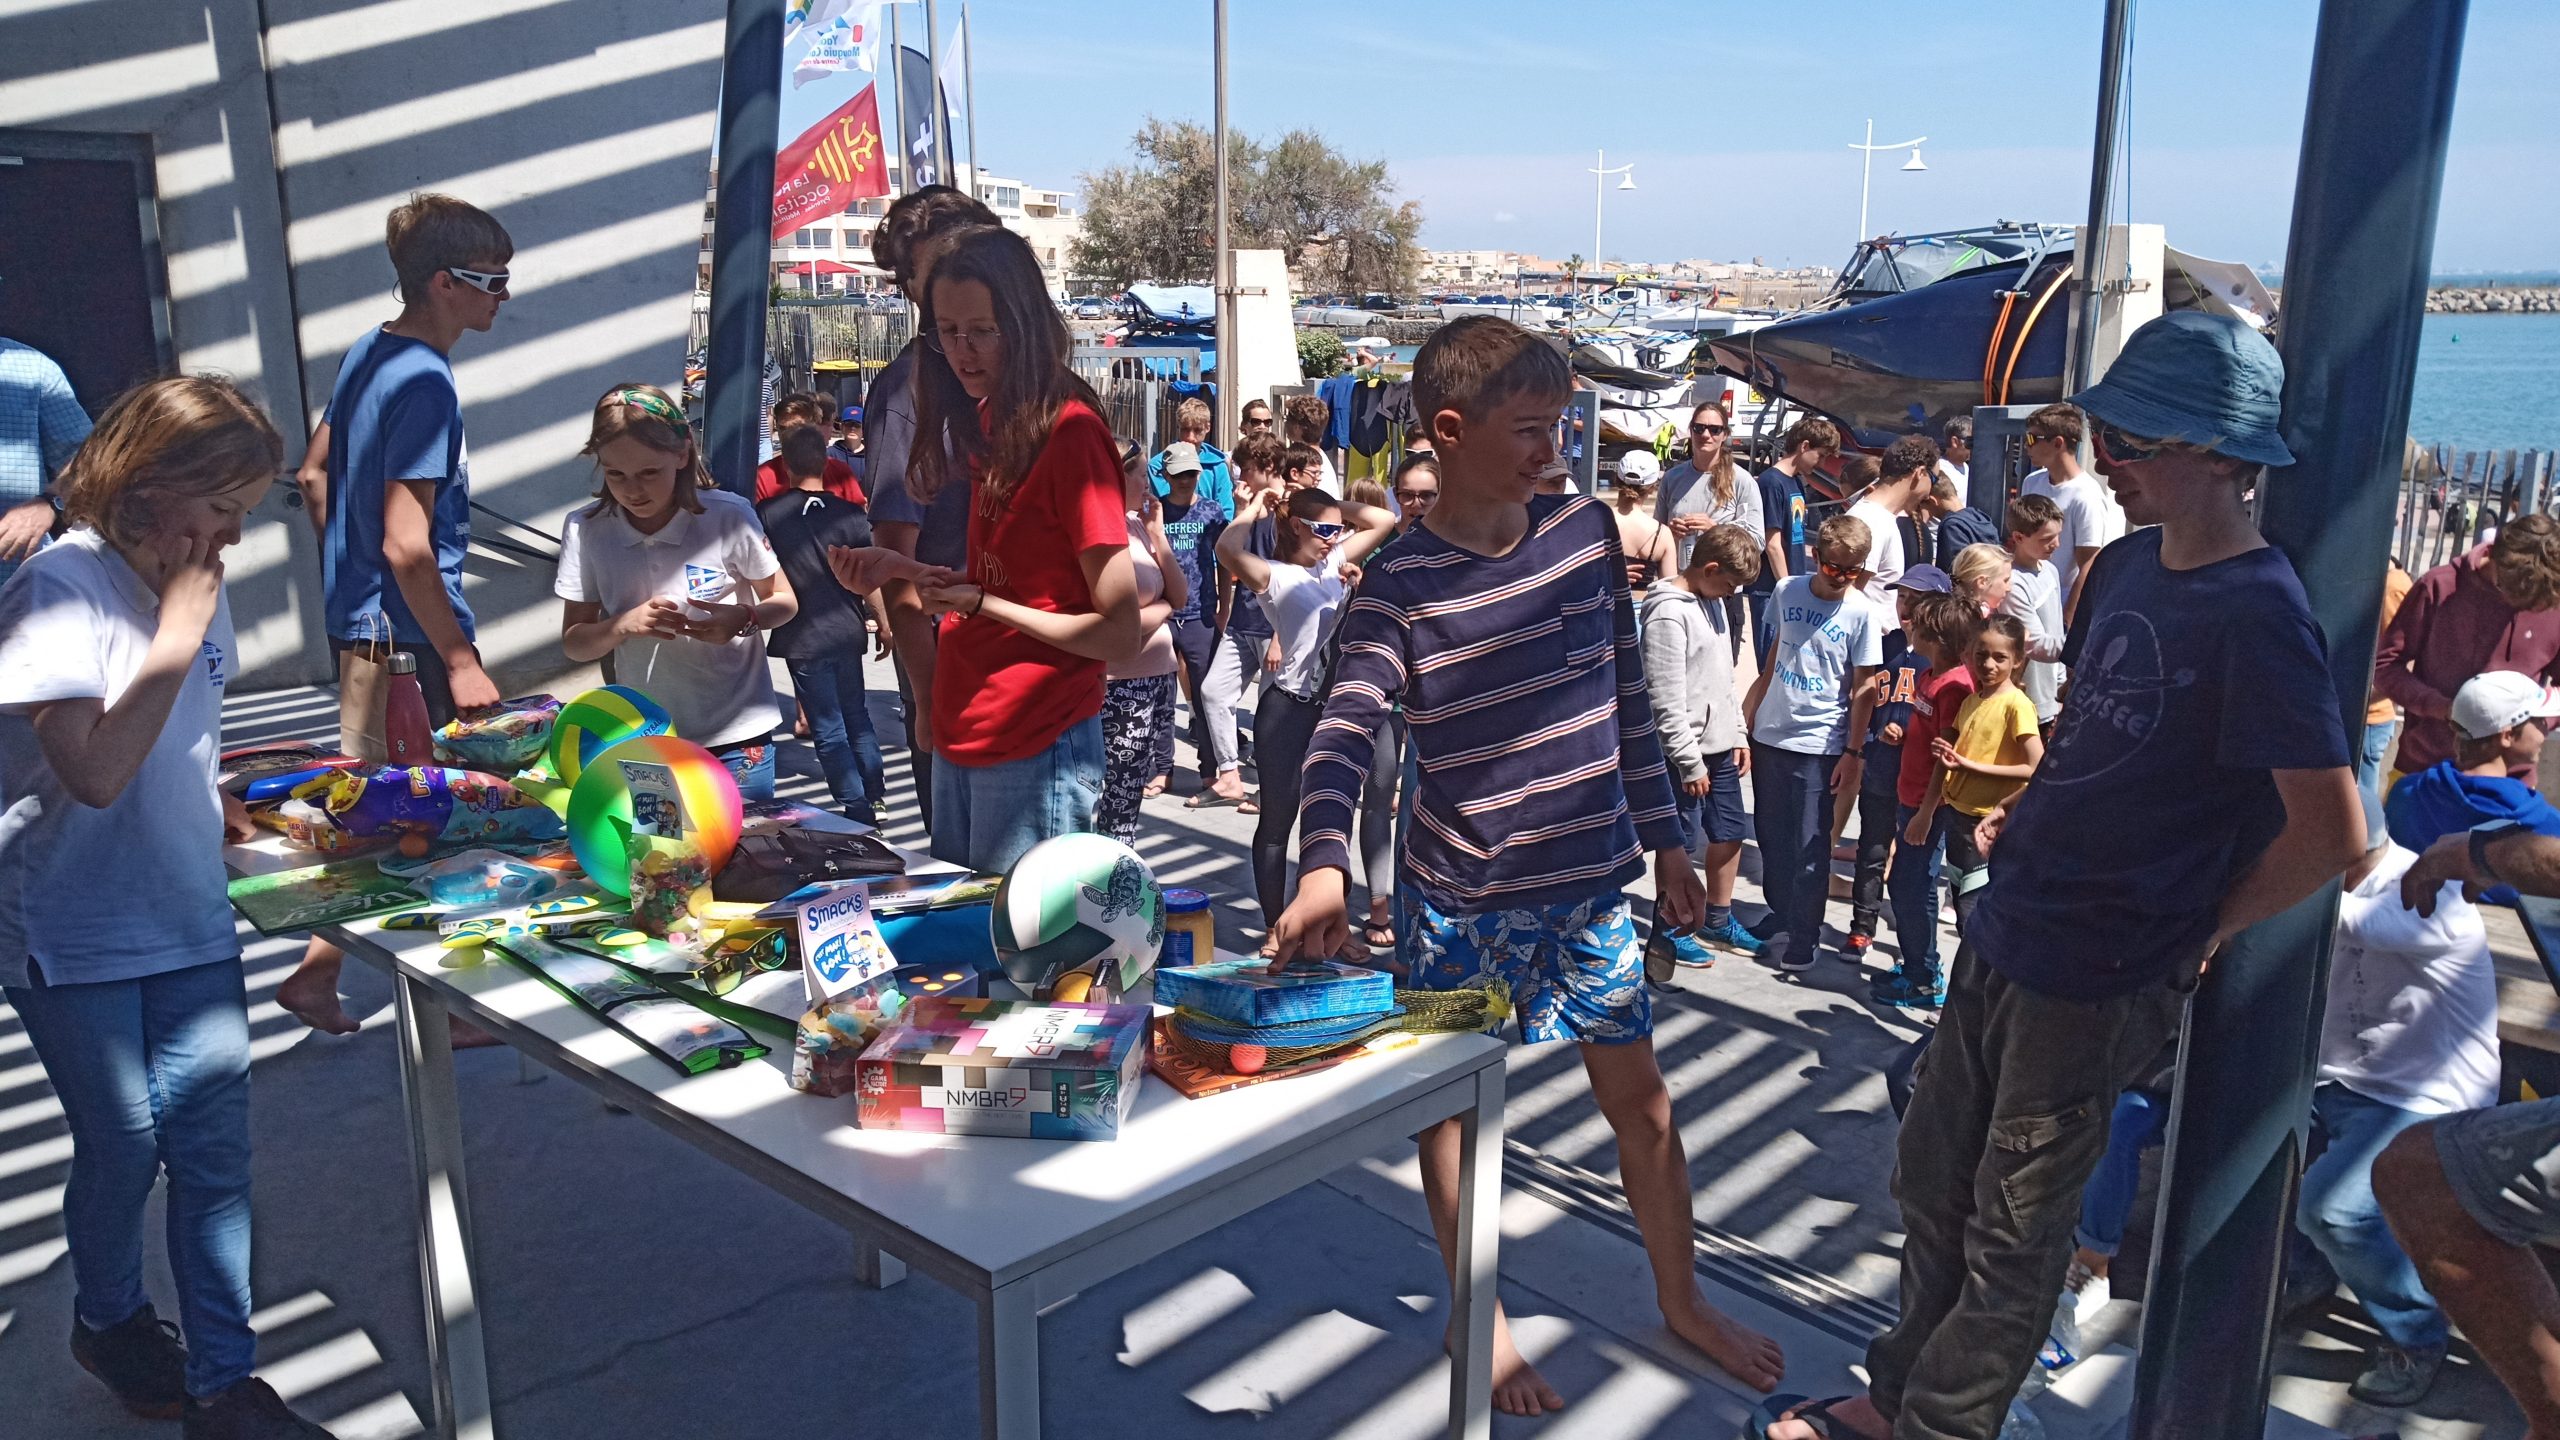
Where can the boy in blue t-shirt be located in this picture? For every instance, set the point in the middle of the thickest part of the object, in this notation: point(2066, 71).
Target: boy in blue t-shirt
point(393, 505)
point(2198, 782)
point(1504, 626)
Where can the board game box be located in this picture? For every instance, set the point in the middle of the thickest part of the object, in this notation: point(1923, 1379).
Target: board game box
point(1005, 1067)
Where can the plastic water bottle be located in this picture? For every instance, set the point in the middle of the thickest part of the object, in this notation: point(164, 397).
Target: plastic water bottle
point(406, 735)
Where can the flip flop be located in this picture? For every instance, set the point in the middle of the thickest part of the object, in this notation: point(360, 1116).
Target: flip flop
point(1210, 800)
point(1152, 789)
point(1816, 1413)
point(1371, 930)
point(1250, 805)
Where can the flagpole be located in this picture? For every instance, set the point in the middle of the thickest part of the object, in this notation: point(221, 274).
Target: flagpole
point(1222, 263)
point(933, 103)
point(742, 242)
point(969, 92)
point(898, 101)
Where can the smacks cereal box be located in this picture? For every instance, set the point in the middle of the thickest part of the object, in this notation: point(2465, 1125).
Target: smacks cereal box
point(1005, 1067)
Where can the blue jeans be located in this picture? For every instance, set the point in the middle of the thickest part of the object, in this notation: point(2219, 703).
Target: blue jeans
point(839, 711)
point(1911, 890)
point(985, 816)
point(153, 1075)
point(1794, 820)
point(2340, 1217)
point(2141, 1118)
point(752, 765)
point(2372, 754)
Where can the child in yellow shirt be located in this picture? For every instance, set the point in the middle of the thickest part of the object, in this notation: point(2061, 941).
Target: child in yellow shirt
point(1995, 747)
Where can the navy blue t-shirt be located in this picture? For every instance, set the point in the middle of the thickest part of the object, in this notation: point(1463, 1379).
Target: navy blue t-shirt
point(2187, 689)
point(1960, 528)
point(1905, 672)
point(1245, 616)
point(1192, 530)
point(1782, 508)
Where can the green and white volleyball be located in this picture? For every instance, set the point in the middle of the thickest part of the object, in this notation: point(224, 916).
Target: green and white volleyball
point(1074, 900)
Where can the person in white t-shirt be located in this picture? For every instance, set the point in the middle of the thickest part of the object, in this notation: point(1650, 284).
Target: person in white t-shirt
point(2410, 1033)
point(116, 944)
point(674, 579)
point(1904, 473)
point(1822, 644)
point(2091, 519)
point(2034, 525)
point(1319, 544)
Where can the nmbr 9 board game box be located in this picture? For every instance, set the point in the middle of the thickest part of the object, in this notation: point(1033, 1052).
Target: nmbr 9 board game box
point(964, 1066)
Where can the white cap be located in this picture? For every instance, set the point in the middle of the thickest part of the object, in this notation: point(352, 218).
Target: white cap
point(2499, 701)
point(1638, 467)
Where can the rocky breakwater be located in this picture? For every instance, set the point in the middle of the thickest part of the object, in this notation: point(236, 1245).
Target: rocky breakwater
point(2494, 300)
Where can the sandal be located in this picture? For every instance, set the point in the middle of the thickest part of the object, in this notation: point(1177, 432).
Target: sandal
point(1815, 1413)
point(1211, 800)
point(1153, 788)
point(1372, 931)
point(1250, 805)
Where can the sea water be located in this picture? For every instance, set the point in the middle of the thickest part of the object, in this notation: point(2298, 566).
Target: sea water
point(2488, 382)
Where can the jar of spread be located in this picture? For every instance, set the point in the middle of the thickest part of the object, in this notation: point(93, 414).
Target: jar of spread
point(1190, 931)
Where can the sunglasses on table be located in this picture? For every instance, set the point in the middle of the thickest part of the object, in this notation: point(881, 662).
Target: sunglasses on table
point(2114, 444)
point(487, 282)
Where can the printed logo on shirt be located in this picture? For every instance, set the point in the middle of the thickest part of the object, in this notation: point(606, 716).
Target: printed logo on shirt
point(213, 665)
point(1795, 519)
point(704, 582)
point(2118, 694)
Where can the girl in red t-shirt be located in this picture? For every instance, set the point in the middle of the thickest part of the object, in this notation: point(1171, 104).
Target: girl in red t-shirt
point(1050, 598)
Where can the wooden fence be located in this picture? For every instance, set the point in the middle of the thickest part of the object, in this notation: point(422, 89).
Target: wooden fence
point(2452, 500)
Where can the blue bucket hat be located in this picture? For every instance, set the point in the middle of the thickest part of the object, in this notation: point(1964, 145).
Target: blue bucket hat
point(2205, 379)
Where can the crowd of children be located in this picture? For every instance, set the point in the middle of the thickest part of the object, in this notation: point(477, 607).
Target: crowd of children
point(1572, 696)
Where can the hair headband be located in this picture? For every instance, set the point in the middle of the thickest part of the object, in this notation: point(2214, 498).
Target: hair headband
point(654, 405)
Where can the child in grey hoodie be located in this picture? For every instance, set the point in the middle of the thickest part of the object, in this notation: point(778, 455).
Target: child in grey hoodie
point(1697, 707)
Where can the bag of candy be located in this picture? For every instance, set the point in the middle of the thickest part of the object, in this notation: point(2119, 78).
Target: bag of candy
point(502, 739)
point(440, 805)
point(670, 884)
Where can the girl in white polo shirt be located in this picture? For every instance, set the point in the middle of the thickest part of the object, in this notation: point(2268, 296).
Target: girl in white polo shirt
point(674, 579)
point(116, 943)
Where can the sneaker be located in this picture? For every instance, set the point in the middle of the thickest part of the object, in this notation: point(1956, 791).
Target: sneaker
point(250, 1410)
point(140, 1360)
point(1733, 937)
point(1796, 959)
point(1691, 952)
point(2398, 1378)
point(1898, 989)
point(1854, 949)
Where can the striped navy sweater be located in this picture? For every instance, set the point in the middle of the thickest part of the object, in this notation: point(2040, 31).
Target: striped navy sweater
point(1542, 780)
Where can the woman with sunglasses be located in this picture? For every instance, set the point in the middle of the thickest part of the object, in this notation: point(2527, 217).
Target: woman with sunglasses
point(1049, 599)
point(1706, 490)
point(1314, 565)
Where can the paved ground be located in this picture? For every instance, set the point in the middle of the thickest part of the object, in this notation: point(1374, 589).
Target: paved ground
point(634, 1288)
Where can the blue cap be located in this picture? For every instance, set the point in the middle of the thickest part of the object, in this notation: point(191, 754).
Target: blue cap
point(2206, 379)
point(850, 415)
point(1927, 579)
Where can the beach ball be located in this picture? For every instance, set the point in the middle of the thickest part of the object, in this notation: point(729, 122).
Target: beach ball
point(606, 715)
point(1077, 902)
point(713, 812)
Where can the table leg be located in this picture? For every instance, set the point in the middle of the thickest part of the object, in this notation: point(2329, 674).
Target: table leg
point(1479, 1245)
point(875, 1267)
point(457, 1364)
point(1009, 1364)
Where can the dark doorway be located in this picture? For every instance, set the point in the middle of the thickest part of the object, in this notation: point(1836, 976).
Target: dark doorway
point(82, 276)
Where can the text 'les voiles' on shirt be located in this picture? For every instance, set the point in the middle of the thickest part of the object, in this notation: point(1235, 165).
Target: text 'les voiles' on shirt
point(1542, 779)
point(1815, 648)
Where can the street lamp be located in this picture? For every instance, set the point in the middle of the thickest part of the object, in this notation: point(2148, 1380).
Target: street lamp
point(1599, 175)
point(1867, 165)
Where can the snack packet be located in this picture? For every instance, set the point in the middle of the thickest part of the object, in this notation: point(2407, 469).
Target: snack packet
point(670, 884)
point(500, 740)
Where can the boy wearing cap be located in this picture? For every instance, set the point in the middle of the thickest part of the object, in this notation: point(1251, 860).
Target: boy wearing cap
point(2198, 783)
point(846, 448)
point(2497, 723)
point(1192, 524)
point(1191, 430)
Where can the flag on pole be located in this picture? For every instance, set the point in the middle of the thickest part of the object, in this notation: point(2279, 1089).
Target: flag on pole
point(847, 40)
point(955, 66)
point(836, 162)
point(920, 117)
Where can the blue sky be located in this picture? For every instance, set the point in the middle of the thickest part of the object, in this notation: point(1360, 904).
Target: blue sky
point(1737, 115)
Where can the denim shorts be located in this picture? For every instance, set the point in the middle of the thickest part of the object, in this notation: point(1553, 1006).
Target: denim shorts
point(2504, 1165)
point(1576, 969)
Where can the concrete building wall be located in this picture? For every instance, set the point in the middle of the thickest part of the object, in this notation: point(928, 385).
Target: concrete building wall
point(285, 132)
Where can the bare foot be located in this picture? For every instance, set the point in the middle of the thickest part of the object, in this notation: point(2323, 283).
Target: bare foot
point(1849, 1417)
point(310, 995)
point(1518, 1388)
point(467, 1036)
point(1745, 1354)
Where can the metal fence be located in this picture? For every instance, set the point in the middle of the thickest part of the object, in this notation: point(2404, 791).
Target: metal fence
point(2452, 500)
point(1140, 385)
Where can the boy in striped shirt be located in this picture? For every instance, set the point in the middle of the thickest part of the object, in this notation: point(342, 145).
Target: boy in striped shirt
point(1503, 625)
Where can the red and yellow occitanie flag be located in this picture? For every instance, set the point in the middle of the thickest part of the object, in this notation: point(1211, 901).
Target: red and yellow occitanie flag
point(837, 162)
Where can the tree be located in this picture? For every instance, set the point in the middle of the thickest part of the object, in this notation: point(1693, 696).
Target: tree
point(1333, 219)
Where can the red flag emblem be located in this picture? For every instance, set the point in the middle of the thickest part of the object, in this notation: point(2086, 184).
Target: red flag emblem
point(835, 163)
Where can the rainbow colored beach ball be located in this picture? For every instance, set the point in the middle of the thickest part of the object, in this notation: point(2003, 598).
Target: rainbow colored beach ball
point(604, 716)
point(600, 814)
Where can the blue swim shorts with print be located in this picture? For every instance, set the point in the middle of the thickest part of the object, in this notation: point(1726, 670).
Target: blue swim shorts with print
point(1576, 970)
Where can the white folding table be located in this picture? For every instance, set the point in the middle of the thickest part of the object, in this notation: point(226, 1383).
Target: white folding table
point(1017, 1225)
